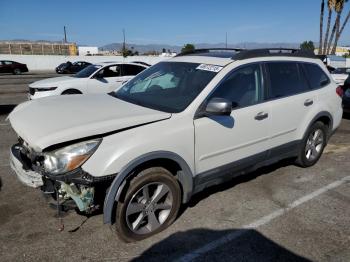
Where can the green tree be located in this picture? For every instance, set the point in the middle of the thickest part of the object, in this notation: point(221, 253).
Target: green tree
point(187, 48)
point(307, 46)
point(128, 52)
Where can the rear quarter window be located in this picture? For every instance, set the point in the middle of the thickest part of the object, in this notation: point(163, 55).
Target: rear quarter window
point(316, 76)
point(286, 79)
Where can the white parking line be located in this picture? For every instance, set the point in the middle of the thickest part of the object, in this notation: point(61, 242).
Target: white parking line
point(260, 222)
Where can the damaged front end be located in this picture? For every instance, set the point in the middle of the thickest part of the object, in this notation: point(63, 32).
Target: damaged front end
point(59, 173)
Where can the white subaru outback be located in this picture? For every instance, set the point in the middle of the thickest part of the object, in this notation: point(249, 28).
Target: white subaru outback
point(176, 128)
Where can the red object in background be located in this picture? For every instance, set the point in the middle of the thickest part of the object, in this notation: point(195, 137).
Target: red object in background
point(13, 67)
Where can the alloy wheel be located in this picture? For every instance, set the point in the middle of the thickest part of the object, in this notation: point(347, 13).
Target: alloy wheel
point(149, 208)
point(314, 144)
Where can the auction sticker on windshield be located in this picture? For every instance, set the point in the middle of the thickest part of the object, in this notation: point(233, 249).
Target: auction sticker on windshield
point(212, 68)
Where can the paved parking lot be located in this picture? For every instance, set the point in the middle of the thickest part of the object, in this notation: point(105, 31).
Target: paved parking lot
point(278, 213)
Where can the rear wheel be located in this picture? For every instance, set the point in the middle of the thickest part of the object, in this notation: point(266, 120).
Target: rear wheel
point(151, 204)
point(313, 144)
point(17, 71)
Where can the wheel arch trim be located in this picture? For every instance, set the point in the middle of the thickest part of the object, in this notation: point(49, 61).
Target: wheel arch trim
point(185, 177)
point(319, 115)
point(72, 89)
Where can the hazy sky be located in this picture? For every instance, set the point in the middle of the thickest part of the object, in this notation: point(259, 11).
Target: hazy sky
point(164, 22)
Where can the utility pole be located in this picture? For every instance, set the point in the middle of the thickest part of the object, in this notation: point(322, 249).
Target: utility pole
point(65, 34)
point(226, 40)
point(124, 45)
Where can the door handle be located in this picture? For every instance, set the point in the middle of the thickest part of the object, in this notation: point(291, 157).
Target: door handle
point(308, 102)
point(261, 116)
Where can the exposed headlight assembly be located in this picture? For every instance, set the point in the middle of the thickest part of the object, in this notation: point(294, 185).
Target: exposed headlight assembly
point(69, 158)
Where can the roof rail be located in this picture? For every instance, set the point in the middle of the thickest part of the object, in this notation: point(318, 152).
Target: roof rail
point(252, 53)
point(207, 50)
point(267, 52)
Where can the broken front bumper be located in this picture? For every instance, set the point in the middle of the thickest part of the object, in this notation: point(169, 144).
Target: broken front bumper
point(27, 177)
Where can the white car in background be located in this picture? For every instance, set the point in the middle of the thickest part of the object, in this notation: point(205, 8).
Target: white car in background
point(98, 78)
point(340, 74)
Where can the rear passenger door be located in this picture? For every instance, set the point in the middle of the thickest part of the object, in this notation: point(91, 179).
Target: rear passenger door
point(291, 100)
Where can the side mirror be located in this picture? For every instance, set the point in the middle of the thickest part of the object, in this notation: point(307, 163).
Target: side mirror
point(219, 106)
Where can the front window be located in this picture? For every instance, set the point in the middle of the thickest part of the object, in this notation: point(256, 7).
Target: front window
point(167, 86)
point(87, 71)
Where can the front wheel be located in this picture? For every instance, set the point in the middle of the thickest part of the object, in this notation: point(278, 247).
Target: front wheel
point(313, 144)
point(151, 204)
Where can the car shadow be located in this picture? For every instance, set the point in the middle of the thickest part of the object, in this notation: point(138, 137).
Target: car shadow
point(6, 109)
point(218, 245)
point(195, 199)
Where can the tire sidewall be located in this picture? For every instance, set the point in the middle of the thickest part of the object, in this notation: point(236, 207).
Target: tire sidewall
point(156, 175)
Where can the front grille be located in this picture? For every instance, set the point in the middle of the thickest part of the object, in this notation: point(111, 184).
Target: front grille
point(31, 91)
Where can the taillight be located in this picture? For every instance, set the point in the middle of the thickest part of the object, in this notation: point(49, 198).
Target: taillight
point(339, 91)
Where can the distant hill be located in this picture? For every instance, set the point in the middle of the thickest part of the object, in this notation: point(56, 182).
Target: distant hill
point(158, 47)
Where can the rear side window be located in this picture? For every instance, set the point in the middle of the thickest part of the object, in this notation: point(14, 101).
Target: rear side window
point(317, 78)
point(132, 70)
point(285, 79)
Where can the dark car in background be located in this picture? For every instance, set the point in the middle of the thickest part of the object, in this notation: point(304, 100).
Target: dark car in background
point(71, 68)
point(346, 95)
point(7, 66)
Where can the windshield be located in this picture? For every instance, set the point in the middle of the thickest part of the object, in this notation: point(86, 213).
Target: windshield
point(87, 71)
point(167, 86)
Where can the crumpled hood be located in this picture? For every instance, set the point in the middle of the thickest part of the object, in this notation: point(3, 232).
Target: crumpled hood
point(52, 82)
point(49, 121)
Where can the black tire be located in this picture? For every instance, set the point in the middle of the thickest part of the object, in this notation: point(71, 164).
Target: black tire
point(305, 158)
point(17, 71)
point(71, 92)
point(157, 176)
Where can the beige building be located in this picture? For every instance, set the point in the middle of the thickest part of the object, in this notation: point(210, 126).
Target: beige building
point(37, 48)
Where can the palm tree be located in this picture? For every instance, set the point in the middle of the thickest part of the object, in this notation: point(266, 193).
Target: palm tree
point(321, 28)
point(340, 30)
point(339, 6)
point(331, 5)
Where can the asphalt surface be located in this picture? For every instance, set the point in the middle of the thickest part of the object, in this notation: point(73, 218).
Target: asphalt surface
point(278, 213)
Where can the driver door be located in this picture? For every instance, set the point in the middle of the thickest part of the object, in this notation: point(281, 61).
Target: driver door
point(239, 140)
point(105, 80)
